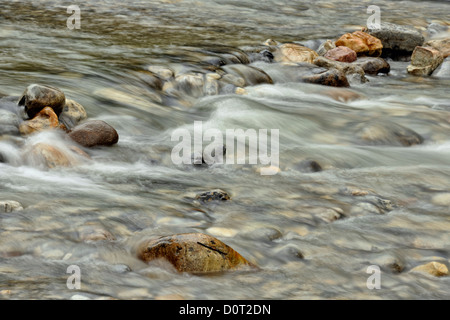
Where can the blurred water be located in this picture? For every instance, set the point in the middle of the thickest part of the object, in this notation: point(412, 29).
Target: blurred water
point(312, 233)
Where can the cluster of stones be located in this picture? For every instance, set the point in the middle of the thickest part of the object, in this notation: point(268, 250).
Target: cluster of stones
point(44, 108)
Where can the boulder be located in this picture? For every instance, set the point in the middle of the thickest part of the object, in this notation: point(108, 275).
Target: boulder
point(193, 253)
point(36, 97)
point(161, 72)
point(72, 114)
point(49, 156)
point(344, 67)
point(94, 133)
point(331, 77)
point(424, 61)
point(397, 40)
point(373, 65)
point(362, 43)
point(342, 54)
point(294, 53)
point(46, 119)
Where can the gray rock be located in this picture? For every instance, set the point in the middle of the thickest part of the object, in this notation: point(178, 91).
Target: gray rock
point(36, 97)
point(251, 75)
point(387, 133)
point(72, 114)
point(373, 65)
point(10, 206)
point(443, 71)
point(397, 40)
point(9, 123)
point(347, 68)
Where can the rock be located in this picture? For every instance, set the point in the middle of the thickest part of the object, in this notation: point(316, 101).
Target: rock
point(332, 77)
point(252, 76)
point(50, 156)
point(373, 65)
point(341, 94)
point(72, 114)
point(342, 54)
point(294, 53)
point(211, 86)
point(346, 68)
point(441, 199)
point(9, 123)
point(150, 79)
point(443, 71)
point(236, 81)
point(46, 119)
point(271, 42)
point(362, 43)
point(193, 253)
point(190, 84)
point(442, 45)
point(36, 97)
point(308, 166)
point(94, 233)
point(325, 47)
point(397, 40)
point(387, 133)
point(94, 133)
point(424, 61)
point(10, 206)
point(161, 72)
point(433, 268)
point(214, 195)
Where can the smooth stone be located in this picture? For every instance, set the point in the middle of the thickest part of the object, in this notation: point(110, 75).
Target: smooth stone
point(161, 72)
point(190, 84)
point(94, 233)
point(222, 232)
point(346, 68)
point(150, 79)
point(308, 166)
point(50, 156)
point(193, 253)
point(46, 119)
point(373, 65)
point(331, 77)
point(397, 40)
point(443, 71)
point(252, 76)
point(342, 54)
point(9, 123)
point(72, 114)
point(387, 133)
point(294, 53)
point(36, 97)
point(94, 133)
point(362, 43)
point(436, 269)
point(10, 206)
point(424, 61)
point(441, 199)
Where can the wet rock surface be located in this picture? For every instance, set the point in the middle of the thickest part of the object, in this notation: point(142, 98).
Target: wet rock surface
point(36, 97)
point(94, 133)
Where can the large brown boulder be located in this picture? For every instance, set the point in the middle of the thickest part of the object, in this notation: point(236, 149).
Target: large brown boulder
point(362, 43)
point(46, 119)
point(94, 133)
point(36, 97)
point(193, 253)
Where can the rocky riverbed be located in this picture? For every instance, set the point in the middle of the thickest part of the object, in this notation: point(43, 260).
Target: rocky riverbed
point(88, 178)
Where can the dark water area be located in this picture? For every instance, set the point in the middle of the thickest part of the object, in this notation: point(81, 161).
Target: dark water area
point(312, 232)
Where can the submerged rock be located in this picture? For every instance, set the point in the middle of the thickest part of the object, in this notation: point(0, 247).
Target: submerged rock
point(49, 156)
point(331, 77)
point(72, 114)
point(36, 97)
point(10, 206)
point(348, 69)
point(397, 40)
point(193, 253)
point(46, 119)
point(9, 123)
point(433, 268)
point(94, 233)
point(387, 133)
point(251, 75)
point(214, 195)
point(342, 54)
point(94, 133)
point(362, 43)
point(424, 61)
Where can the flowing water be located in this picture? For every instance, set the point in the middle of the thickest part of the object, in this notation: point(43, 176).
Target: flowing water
point(313, 234)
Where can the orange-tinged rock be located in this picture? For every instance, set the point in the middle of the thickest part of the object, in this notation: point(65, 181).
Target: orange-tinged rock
point(51, 156)
point(362, 43)
point(193, 253)
point(44, 120)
